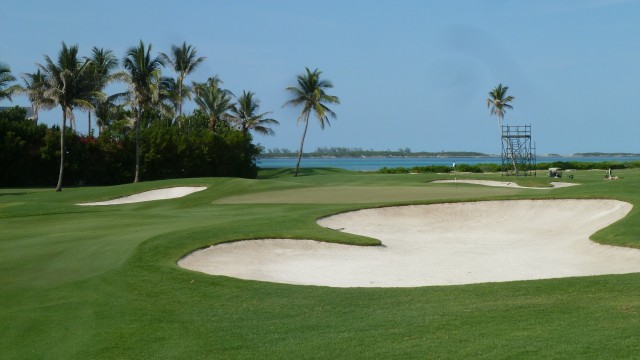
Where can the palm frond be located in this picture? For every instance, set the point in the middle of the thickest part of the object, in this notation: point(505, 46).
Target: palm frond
point(310, 92)
point(498, 101)
point(6, 79)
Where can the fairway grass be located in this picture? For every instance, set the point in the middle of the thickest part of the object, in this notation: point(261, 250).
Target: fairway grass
point(102, 282)
point(359, 195)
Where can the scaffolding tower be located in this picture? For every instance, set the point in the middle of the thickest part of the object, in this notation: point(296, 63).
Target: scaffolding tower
point(518, 152)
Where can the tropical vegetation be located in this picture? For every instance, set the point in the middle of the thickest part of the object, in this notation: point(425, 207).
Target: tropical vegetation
point(184, 61)
point(498, 102)
point(29, 152)
point(213, 101)
point(144, 75)
point(35, 87)
point(150, 112)
point(103, 67)
point(310, 94)
point(7, 88)
point(70, 84)
point(539, 169)
point(246, 115)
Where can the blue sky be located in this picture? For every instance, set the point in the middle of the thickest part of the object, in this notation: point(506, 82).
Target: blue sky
point(408, 73)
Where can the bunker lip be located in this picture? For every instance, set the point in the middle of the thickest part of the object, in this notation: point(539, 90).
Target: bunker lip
point(439, 244)
point(152, 195)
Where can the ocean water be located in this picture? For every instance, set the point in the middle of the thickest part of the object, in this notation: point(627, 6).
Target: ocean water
point(373, 164)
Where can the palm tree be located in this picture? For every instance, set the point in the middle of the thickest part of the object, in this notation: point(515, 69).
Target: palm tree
point(166, 96)
point(212, 81)
point(142, 70)
point(6, 89)
point(70, 84)
point(35, 87)
point(245, 114)
point(184, 60)
point(109, 110)
point(498, 102)
point(213, 101)
point(310, 93)
point(103, 63)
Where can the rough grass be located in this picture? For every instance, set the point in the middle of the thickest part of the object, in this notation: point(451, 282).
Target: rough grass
point(90, 283)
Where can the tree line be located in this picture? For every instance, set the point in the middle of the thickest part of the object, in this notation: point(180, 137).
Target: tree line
point(148, 119)
point(29, 152)
point(496, 168)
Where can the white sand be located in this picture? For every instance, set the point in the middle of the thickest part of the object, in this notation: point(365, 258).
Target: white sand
point(504, 184)
point(159, 194)
point(441, 244)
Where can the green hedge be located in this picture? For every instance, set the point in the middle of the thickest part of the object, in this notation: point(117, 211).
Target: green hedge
point(30, 154)
point(485, 168)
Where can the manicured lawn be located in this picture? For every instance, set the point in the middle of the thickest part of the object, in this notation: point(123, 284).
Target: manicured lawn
point(102, 282)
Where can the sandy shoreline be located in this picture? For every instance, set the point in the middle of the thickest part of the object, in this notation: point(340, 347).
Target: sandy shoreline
point(440, 244)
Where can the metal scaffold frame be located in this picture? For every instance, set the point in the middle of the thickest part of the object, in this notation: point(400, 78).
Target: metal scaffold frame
point(518, 153)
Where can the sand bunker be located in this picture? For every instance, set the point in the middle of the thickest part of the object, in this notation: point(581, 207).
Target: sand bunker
point(441, 244)
point(554, 185)
point(159, 194)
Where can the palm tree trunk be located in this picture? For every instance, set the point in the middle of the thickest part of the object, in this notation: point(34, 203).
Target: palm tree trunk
point(180, 99)
point(137, 126)
point(89, 127)
point(72, 120)
point(64, 124)
point(212, 123)
point(306, 125)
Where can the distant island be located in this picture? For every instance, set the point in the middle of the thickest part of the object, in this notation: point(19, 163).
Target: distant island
point(346, 152)
point(601, 154)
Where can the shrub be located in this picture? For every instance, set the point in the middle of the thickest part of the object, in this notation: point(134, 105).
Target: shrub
point(30, 154)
